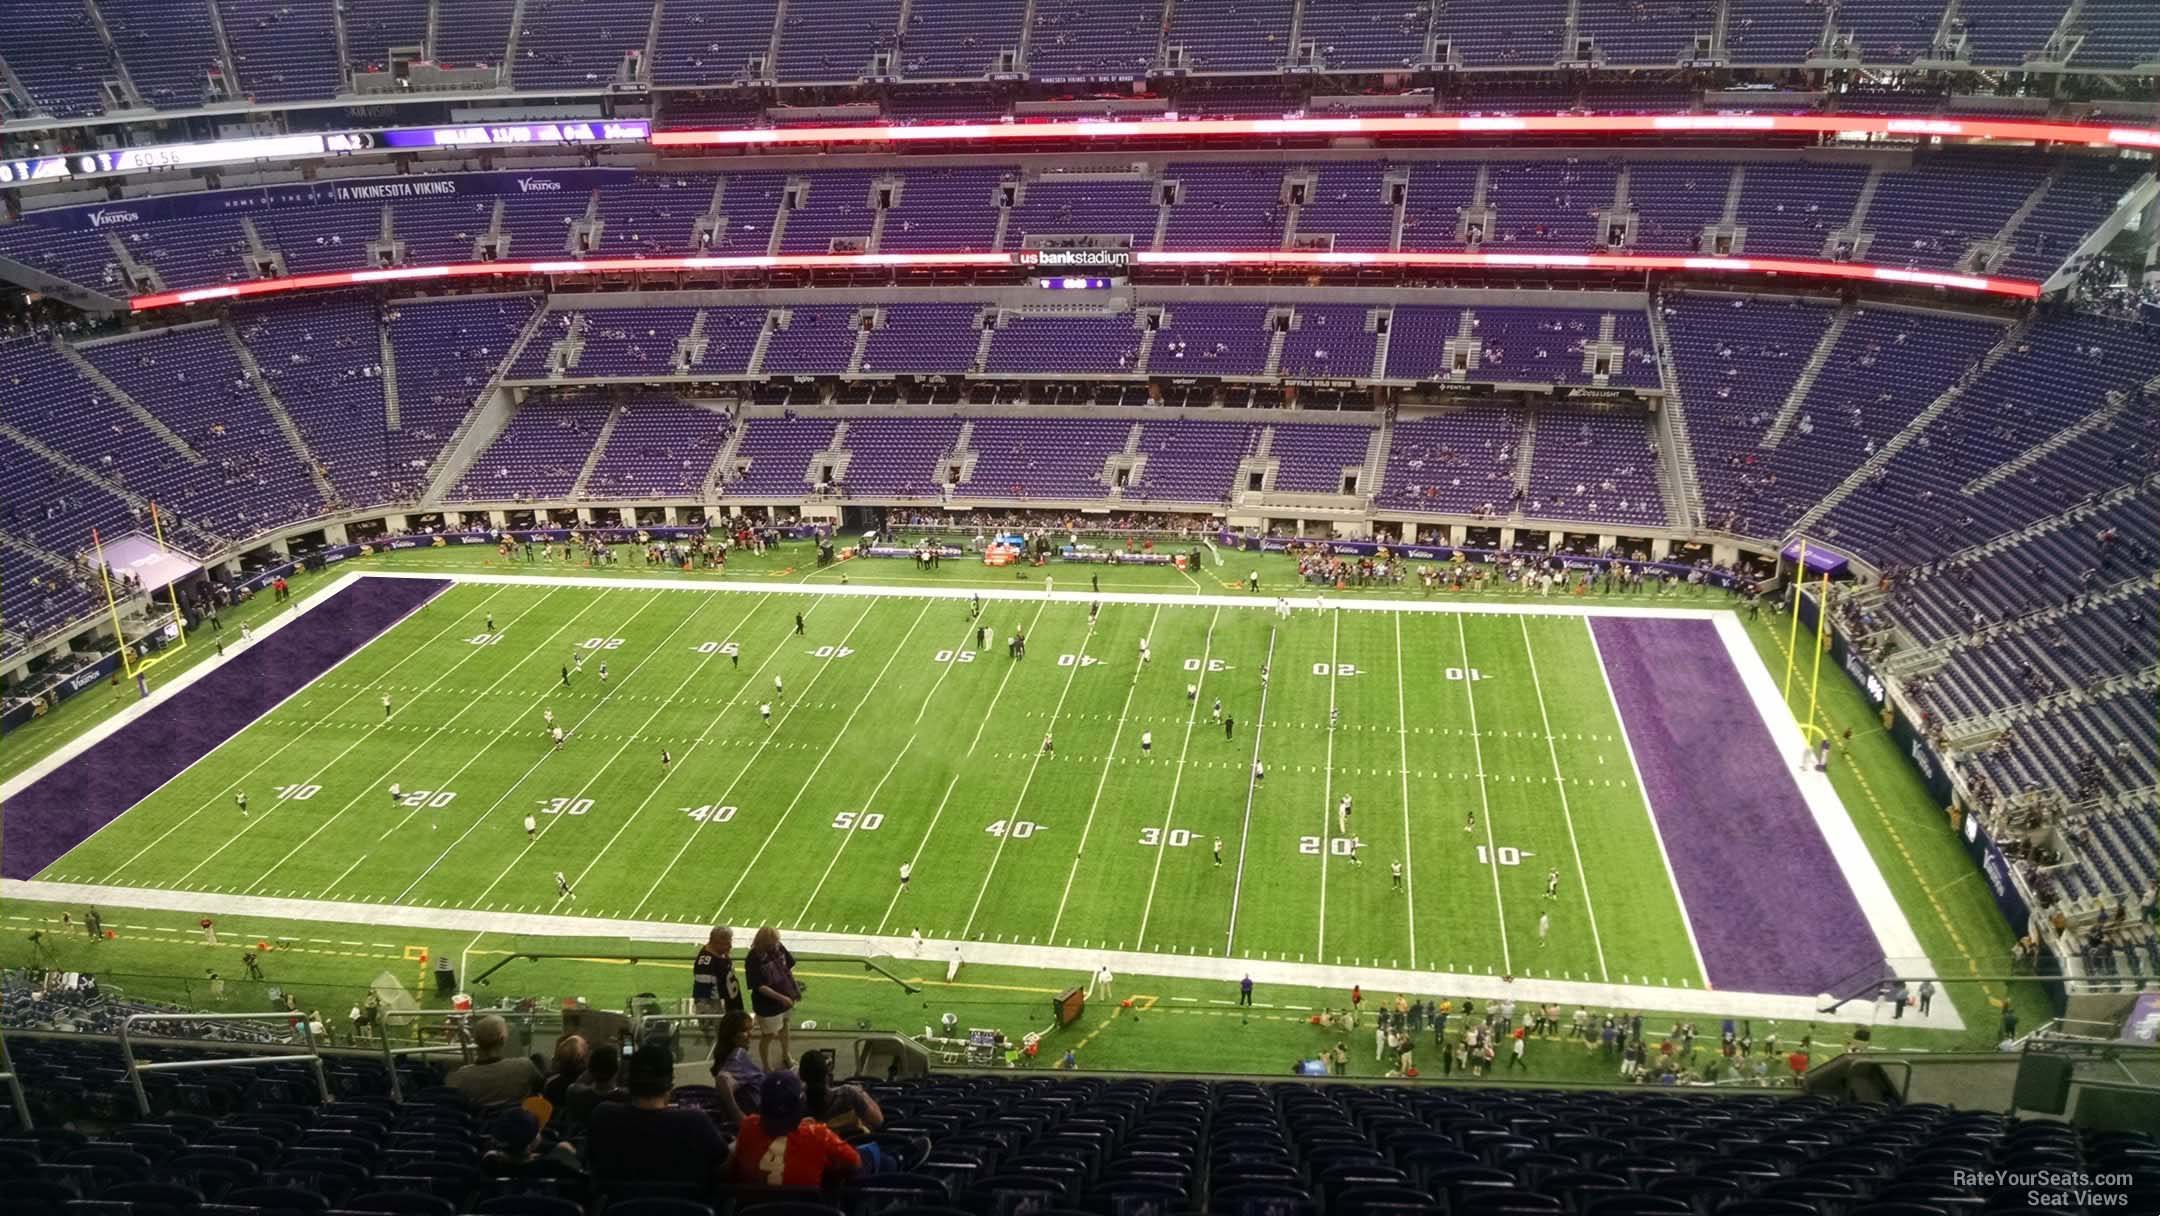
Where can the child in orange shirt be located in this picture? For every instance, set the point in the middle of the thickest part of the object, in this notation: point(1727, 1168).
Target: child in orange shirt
point(782, 1146)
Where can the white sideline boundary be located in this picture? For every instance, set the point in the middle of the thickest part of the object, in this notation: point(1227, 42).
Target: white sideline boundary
point(187, 679)
point(1892, 931)
point(1699, 1002)
point(1263, 601)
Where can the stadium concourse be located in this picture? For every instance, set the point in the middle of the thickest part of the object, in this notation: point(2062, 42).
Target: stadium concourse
point(1627, 528)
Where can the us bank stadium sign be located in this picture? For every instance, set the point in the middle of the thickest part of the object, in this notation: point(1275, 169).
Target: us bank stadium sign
point(1119, 260)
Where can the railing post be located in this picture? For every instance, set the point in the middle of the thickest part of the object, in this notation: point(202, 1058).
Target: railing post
point(136, 1068)
point(417, 1018)
point(389, 1062)
point(134, 1071)
point(314, 1055)
point(15, 1089)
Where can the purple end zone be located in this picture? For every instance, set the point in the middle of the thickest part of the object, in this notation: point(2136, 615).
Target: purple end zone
point(1770, 908)
point(63, 808)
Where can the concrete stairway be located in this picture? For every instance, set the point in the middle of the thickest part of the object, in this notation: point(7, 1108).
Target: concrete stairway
point(599, 447)
point(285, 424)
point(119, 396)
point(1920, 423)
point(1797, 396)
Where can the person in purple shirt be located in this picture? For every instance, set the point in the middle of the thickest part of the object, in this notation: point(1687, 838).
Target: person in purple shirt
point(737, 1079)
point(769, 974)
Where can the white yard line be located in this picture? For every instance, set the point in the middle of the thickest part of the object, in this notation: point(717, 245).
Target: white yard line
point(374, 785)
point(1192, 716)
point(787, 712)
point(718, 717)
point(915, 859)
point(1552, 749)
point(1672, 881)
point(222, 796)
point(1327, 787)
point(591, 776)
point(900, 753)
point(1102, 779)
point(1034, 766)
point(1893, 932)
point(1700, 1002)
point(839, 737)
point(1477, 752)
point(1252, 790)
point(1402, 745)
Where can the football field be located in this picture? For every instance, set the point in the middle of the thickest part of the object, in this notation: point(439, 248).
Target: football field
point(1075, 797)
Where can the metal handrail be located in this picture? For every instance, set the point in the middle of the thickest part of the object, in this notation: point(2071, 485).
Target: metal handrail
point(533, 956)
point(454, 1021)
point(312, 1056)
point(709, 1023)
point(15, 1089)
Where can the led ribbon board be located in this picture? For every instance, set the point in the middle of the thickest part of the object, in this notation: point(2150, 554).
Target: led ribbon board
point(1588, 262)
point(1095, 131)
point(281, 148)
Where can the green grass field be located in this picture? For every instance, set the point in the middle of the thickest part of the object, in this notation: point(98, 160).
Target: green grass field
point(897, 742)
point(158, 956)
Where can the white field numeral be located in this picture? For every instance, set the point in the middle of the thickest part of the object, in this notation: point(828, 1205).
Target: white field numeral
point(716, 648)
point(1344, 670)
point(1508, 854)
point(1178, 838)
point(437, 799)
point(565, 806)
point(955, 656)
point(1018, 829)
point(297, 793)
point(868, 821)
point(601, 644)
point(1310, 845)
point(710, 813)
